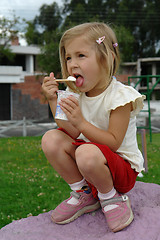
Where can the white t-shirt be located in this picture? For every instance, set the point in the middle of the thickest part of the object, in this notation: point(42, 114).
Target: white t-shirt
point(96, 110)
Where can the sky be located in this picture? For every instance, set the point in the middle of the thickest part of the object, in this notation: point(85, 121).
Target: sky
point(27, 9)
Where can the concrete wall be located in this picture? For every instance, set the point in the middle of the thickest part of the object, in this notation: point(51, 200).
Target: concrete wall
point(23, 105)
point(28, 100)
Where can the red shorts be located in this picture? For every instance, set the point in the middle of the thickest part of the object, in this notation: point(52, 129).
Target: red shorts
point(124, 177)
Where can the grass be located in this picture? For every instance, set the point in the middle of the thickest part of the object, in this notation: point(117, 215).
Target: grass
point(29, 185)
point(153, 157)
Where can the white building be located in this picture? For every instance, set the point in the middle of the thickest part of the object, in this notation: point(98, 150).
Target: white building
point(145, 67)
point(24, 65)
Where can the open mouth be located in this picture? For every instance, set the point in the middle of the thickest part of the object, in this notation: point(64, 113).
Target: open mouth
point(79, 80)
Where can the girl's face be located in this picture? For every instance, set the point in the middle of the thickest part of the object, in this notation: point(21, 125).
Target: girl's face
point(82, 63)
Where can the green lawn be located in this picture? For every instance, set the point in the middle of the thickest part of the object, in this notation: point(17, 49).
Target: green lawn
point(153, 157)
point(30, 186)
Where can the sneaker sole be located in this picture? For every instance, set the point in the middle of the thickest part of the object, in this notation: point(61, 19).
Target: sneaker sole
point(82, 211)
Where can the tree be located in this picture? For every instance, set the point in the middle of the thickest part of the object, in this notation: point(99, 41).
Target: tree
point(75, 13)
point(48, 61)
point(140, 19)
point(49, 18)
point(87, 11)
point(32, 35)
point(126, 42)
point(8, 32)
point(136, 24)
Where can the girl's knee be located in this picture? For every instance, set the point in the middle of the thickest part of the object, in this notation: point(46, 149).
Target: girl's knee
point(86, 158)
point(50, 141)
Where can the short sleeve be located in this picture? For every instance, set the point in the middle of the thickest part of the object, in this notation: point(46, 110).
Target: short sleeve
point(122, 94)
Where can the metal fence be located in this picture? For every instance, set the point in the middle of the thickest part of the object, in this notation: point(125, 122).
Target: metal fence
point(24, 128)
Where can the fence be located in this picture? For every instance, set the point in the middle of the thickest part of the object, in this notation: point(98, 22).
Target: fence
point(22, 127)
point(151, 83)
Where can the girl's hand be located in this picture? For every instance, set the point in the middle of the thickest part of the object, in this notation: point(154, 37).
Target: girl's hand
point(71, 108)
point(50, 87)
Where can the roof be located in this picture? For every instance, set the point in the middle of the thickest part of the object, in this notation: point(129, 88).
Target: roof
point(34, 50)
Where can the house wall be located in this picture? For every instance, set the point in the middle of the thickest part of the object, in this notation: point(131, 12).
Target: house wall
point(28, 100)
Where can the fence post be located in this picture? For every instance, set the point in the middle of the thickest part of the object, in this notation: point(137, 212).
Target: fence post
point(144, 148)
point(24, 127)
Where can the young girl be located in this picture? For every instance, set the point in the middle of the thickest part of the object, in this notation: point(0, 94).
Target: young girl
point(95, 151)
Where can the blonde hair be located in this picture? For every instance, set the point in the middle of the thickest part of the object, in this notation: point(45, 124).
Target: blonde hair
point(107, 55)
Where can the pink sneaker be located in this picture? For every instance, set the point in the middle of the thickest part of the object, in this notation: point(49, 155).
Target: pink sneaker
point(65, 213)
point(119, 217)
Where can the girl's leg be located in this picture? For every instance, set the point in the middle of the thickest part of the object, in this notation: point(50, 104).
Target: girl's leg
point(92, 165)
point(60, 152)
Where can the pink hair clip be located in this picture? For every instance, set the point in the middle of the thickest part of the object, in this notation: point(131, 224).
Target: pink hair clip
point(115, 45)
point(100, 40)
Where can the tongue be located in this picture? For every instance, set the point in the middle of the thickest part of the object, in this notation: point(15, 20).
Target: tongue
point(79, 81)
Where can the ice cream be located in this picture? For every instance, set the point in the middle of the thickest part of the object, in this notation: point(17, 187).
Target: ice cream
point(78, 81)
point(71, 78)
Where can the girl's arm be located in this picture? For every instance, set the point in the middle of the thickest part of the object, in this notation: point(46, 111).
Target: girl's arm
point(50, 87)
point(113, 137)
point(74, 132)
point(118, 124)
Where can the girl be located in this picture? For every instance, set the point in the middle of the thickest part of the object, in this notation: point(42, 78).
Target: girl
point(95, 151)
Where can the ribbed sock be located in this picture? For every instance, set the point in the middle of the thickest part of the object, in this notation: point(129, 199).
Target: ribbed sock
point(76, 186)
point(108, 195)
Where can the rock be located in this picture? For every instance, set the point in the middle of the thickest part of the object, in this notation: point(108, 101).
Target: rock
point(145, 199)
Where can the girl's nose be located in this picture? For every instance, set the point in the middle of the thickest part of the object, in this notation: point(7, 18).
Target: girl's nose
point(73, 63)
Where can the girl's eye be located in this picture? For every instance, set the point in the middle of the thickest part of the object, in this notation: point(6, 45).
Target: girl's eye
point(81, 55)
point(68, 58)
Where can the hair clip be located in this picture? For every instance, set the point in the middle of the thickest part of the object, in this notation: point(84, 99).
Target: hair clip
point(115, 45)
point(100, 40)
